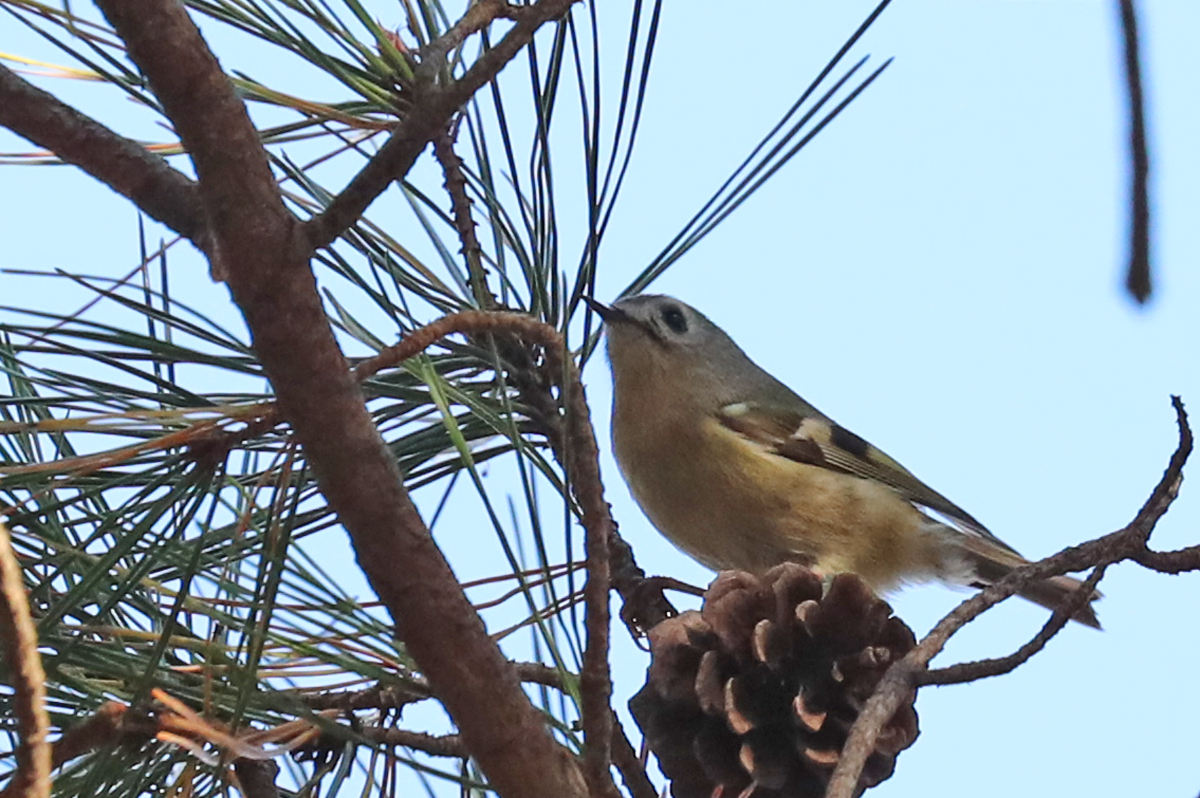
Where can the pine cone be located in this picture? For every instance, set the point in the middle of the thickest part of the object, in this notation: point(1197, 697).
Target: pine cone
point(755, 694)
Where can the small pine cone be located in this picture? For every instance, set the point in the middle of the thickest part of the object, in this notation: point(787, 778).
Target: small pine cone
point(755, 694)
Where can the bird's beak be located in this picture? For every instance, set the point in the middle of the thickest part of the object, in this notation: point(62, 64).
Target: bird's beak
point(606, 312)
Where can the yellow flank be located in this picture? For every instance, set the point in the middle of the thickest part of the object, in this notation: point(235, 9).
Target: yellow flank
point(772, 508)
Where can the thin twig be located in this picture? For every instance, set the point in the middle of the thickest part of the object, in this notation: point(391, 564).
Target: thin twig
point(18, 637)
point(630, 765)
point(398, 695)
point(478, 16)
point(450, 745)
point(998, 666)
point(460, 212)
point(905, 675)
point(1138, 279)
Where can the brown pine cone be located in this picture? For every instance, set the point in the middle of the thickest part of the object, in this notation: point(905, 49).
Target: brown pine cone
point(755, 694)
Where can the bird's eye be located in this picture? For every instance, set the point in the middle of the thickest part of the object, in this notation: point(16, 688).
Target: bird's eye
point(674, 318)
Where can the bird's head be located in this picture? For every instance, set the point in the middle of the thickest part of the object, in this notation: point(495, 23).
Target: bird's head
point(652, 337)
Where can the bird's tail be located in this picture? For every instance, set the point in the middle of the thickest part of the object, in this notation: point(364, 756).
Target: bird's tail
point(1053, 592)
point(991, 563)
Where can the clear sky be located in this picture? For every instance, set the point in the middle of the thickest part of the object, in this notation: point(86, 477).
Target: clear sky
point(940, 271)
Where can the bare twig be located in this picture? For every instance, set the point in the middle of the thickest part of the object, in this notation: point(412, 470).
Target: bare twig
point(1138, 279)
point(998, 666)
point(595, 681)
point(460, 212)
point(125, 166)
point(398, 695)
point(1129, 543)
point(1170, 562)
point(478, 16)
point(450, 745)
point(630, 765)
point(19, 639)
point(430, 112)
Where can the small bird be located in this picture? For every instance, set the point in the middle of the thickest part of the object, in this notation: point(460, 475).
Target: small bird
point(739, 472)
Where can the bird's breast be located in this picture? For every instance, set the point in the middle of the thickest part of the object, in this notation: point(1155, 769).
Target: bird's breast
point(730, 503)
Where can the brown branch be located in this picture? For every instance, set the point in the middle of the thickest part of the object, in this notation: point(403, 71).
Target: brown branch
point(583, 472)
point(450, 745)
point(998, 666)
point(264, 254)
point(630, 765)
point(460, 212)
point(595, 681)
point(241, 200)
point(477, 17)
point(1138, 279)
point(397, 696)
point(101, 729)
point(125, 166)
point(1170, 562)
point(116, 724)
point(391, 696)
point(18, 637)
point(428, 115)
point(256, 777)
point(112, 724)
point(905, 675)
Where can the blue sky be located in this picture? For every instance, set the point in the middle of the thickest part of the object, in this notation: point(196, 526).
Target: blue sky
point(940, 271)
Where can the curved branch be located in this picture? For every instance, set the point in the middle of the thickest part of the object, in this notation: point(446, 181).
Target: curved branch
point(1170, 562)
point(19, 639)
point(906, 675)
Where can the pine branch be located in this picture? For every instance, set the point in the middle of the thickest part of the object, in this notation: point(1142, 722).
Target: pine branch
point(428, 115)
point(125, 166)
point(264, 257)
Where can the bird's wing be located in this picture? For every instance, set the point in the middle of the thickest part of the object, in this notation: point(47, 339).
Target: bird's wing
point(815, 440)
